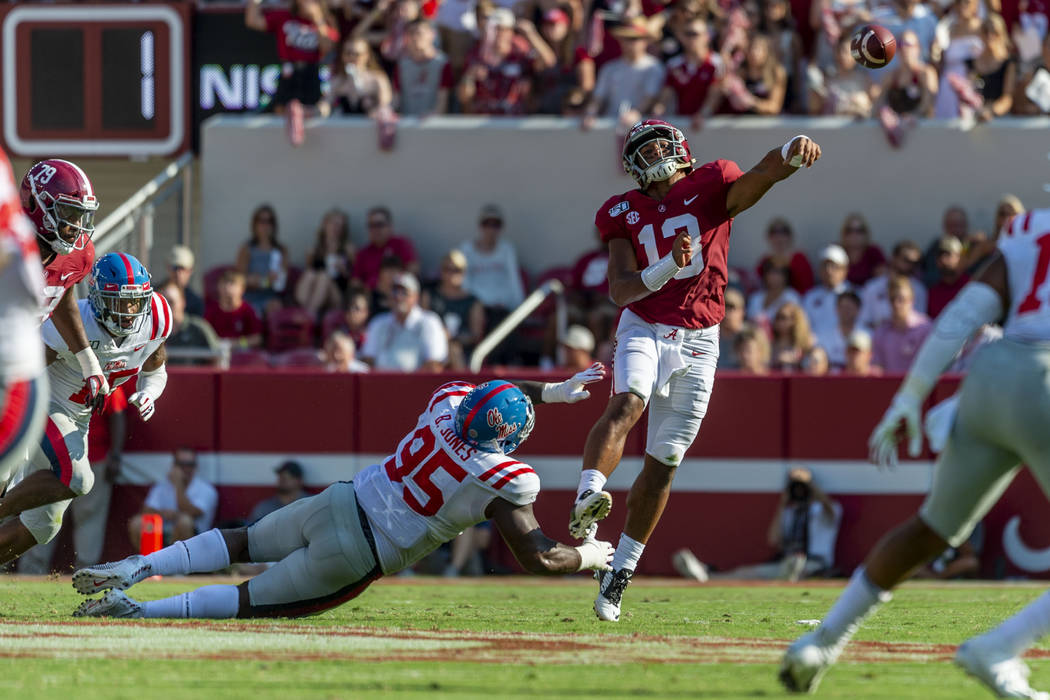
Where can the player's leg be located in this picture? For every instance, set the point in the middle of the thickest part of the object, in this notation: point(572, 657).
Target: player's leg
point(23, 410)
point(58, 469)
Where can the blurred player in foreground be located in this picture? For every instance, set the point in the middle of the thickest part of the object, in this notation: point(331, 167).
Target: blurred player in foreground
point(23, 384)
point(453, 471)
point(668, 247)
point(1002, 419)
point(126, 324)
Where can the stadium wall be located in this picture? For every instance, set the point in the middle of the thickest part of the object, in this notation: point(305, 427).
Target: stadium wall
point(550, 177)
point(246, 422)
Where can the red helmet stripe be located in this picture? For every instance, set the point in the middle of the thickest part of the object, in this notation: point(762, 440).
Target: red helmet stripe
point(127, 267)
point(484, 400)
point(156, 322)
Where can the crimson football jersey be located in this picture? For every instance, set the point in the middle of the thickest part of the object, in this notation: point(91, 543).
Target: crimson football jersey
point(694, 298)
point(62, 273)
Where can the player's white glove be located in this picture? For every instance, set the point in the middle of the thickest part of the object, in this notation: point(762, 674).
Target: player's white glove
point(572, 390)
point(94, 379)
point(596, 554)
point(142, 401)
point(882, 445)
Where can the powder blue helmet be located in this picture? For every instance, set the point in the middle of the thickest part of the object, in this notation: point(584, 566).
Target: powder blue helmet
point(495, 417)
point(119, 292)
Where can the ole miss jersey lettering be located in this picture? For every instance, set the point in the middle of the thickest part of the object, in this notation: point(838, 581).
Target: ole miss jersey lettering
point(696, 204)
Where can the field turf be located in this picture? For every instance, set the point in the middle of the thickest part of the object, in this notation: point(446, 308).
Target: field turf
point(496, 638)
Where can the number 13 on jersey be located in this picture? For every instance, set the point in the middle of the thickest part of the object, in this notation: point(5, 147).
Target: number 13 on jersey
point(670, 228)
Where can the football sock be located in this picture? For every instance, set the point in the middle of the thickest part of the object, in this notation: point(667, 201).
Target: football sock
point(859, 600)
point(1022, 630)
point(591, 479)
point(204, 553)
point(217, 602)
point(628, 552)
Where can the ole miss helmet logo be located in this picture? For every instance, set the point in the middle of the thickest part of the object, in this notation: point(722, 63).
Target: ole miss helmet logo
point(495, 420)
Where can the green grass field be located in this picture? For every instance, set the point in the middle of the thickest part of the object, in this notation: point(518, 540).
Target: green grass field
point(496, 637)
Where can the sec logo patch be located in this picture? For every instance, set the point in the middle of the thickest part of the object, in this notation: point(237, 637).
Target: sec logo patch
point(633, 217)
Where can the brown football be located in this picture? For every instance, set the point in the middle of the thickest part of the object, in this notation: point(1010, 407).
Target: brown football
point(873, 46)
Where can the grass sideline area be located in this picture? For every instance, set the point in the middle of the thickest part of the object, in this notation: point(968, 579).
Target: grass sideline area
point(508, 637)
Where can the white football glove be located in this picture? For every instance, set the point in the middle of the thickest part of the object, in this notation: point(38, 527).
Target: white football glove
point(596, 554)
point(142, 401)
point(572, 390)
point(882, 445)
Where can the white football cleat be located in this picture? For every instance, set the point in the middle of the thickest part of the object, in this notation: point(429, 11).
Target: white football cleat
point(1007, 677)
point(589, 508)
point(114, 604)
point(686, 564)
point(610, 591)
point(805, 662)
point(120, 574)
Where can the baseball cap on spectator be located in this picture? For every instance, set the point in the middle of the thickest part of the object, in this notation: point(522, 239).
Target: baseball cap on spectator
point(406, 280)
point(181, 256)
point(950, 244)
point(835, 253)
point(578, 338)
point(859, 340)
point(556, 15)
point(292, 468)
point(490, 211)
point(501, 17)
point(636, 27)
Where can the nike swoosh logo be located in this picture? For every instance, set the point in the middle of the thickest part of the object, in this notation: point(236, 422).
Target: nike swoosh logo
point(138, 348)
point(697, 354)
point(690, 200)
point(96, 582)
point(68, 274)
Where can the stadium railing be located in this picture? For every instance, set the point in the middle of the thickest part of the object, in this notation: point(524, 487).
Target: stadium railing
point(517, 316)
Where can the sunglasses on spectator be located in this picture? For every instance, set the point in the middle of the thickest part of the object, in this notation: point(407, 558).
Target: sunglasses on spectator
point(1005, 212)
point(399, 290)
point(693, 35)
point(856, 229)
point(492, 223)
point(783, 317)
point(378, 223)
point(732, 307)
point(265, 219)
point(186, 465)
point(780, 229)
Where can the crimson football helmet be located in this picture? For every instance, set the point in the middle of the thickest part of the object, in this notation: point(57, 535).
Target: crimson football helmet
point(57, 196)
point(673, 155)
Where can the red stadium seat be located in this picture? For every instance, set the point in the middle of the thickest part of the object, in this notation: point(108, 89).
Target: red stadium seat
point(211, 282)
point(332, 321)
point(249, 359)
point(288, 329)
point(303, 357)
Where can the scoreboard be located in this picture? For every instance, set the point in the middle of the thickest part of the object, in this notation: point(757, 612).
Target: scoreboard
point(94, 79)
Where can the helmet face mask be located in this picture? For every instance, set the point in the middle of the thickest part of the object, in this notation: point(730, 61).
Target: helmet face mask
point(57, 196)
point(654, 151)
point(495, 417)
point(119, 292)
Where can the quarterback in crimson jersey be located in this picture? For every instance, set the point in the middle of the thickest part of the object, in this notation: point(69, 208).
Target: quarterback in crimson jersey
point(668, 248)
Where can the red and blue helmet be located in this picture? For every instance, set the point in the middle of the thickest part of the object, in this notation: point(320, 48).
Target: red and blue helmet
point(119, 292)
point(495, 417)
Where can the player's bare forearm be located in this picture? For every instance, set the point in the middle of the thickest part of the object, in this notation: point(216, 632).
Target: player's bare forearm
point(534, 390)
point(536, 552)
point(66, 318)
point(774, 167)
point(625, 280)
point(156, 360)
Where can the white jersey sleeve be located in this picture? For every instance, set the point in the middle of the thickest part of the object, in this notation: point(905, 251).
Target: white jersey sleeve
point(1025, 246)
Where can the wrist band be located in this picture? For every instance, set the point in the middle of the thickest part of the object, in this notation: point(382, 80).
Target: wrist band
point(796, 162)
point(660, 272)
point(89, 366)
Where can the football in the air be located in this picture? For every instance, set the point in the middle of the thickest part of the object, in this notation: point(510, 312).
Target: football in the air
point(873, 46)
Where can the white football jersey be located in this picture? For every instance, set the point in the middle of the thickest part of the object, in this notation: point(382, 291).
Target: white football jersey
point(435, 485)
point(21, 281)
point(1025, 245)
point(121, 358)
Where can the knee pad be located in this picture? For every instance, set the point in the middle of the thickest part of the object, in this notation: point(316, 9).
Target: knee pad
point(44, 522)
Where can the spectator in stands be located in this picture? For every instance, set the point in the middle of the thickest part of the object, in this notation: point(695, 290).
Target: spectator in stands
point(588, 294)
point(340, 354)
point(577, 348)
point(423, 74)
point(457, 26)
point(305, 34)
point(555, 88)
point(791, 338)
point(815, 362)
point(462, 313)
point(759, 85)
point(328, 265)
point(355, 316)
point(858, 355)
point(846, 89)
point(995, 70)
point(289, 490)
point(185, 501)
point(752, 351)
point(382, 242)
point(188, 332)
point(914, 17)
point(865, 258)
point(231, 316)
point(834, 339)
point(732, 325)
point(690, 75)
point(629, 85)
point(180, 264)
point(263, 261)
point(774, 293)
point(497, 78)
point(107, 434)
point(778, 24)
point(952, 276)
point(407, 338)
point(381, 297)
point(875, 296)
point(1033, 64)
point(898, 338)
point(956, 224)
point(781, 250)
point(358, 85)
point(388, 40)
point(819, 302)
point(908, 92)
point(493, 274)
point(956, 48)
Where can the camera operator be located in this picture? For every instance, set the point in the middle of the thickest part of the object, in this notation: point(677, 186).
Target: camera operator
point(803, 531)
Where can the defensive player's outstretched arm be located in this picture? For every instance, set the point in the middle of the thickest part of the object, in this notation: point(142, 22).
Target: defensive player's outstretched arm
point(777, 165)
point(571, 390)
point(536, 552)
